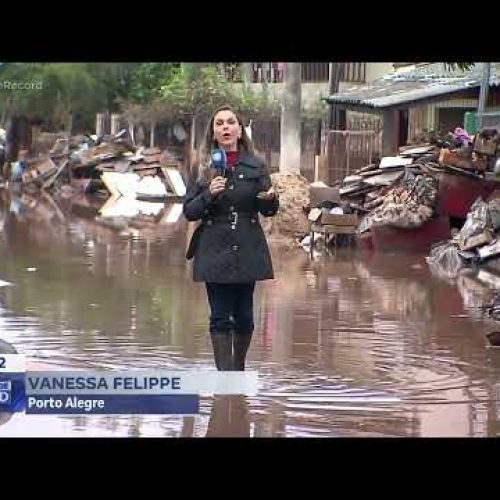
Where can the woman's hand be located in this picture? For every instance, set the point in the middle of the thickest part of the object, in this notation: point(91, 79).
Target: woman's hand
point(267, 195)
point(217, 185)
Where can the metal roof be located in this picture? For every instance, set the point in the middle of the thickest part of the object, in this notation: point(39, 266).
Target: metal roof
point(412, 85)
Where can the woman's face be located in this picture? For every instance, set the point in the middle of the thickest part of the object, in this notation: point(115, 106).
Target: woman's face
point(227, 130)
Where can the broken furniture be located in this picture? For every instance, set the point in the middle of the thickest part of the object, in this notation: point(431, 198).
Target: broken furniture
point(328, 224)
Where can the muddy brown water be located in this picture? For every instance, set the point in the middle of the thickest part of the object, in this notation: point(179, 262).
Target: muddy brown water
point(347, 344)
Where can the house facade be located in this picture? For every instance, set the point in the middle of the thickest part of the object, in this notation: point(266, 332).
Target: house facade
point(315, 76)
point(419, 98)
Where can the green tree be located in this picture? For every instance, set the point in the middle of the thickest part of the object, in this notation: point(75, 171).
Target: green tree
point(145, 81)
point(67, 89)
point(195, 90)
point(145, 92)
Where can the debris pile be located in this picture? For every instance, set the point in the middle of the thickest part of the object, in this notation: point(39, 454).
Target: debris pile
point(477, 243)
point(422, 188)
point(455, 153)
point(82, 162)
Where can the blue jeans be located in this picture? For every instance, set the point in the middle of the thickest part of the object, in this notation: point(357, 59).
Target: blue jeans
point(231, 307)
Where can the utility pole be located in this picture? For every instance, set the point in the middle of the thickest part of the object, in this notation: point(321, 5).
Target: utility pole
point(483, 94)
point(333, 88)
point(290, 119)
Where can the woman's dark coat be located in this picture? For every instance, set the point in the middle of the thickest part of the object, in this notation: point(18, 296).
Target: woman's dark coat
point(230, 245)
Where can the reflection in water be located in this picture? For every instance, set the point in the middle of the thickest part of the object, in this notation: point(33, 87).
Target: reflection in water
point(229, 417)
point(352, 344)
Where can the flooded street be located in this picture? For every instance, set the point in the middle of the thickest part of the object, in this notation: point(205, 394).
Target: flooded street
point(350, 344)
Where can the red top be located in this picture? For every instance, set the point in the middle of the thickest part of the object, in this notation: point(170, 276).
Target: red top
point(232, 158)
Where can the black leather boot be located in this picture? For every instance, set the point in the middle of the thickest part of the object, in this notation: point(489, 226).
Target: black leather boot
point(223, 351)
point(241, 343)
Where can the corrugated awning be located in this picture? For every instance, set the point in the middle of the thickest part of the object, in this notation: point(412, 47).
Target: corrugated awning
point(413, 86)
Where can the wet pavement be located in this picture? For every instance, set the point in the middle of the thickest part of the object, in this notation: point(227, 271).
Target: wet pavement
point(349, 344)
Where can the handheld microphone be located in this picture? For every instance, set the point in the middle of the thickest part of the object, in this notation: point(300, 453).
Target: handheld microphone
point(219, 161)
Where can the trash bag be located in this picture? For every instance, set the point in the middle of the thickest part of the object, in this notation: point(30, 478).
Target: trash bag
point(444, 260)
point(462, 136)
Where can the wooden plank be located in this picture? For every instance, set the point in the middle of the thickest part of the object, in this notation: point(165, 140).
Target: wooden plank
point(416, 150)
point(330, 228)
point(151, 159)
point(394, 161)
point(384, 179)
point(151, 151)
point(48, 183)
point(352, 178)
point(142, 167)
point(369, 168)
point(339, 219)
point(101, 168)
point(174, 180)
point(357, 190)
